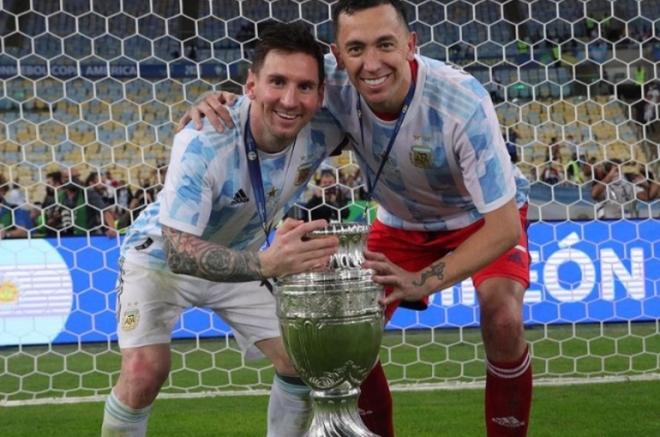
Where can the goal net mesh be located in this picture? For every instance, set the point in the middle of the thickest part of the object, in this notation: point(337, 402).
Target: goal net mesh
point(96, 87)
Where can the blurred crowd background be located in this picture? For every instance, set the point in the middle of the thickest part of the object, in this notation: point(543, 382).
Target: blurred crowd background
point(90, 92)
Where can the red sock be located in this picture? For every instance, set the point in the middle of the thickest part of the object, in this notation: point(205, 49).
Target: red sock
point(375, 403)
point(508, 397)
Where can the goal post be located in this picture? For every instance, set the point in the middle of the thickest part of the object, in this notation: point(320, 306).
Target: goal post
point(96, 87)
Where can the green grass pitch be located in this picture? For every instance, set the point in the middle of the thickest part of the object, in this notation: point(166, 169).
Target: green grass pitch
point(594, 410)
point(431, 356)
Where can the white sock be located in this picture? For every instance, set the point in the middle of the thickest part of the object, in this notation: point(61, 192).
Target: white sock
point(120, 420)
point(289, 409)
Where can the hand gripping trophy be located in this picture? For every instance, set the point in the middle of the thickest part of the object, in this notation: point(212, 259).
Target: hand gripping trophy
point(332, 327)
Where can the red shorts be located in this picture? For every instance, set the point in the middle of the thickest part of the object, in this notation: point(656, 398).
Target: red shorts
point(415, 250)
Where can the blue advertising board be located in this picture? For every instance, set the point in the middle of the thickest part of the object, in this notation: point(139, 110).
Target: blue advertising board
point(63, 291)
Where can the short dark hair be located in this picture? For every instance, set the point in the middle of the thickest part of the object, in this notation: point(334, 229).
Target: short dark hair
point(328, 172)
point(70, 187)
point(91, 178)
point(288, 38)
point(56, 176)
point(349, 7)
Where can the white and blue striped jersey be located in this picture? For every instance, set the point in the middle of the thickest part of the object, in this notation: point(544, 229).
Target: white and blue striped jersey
point(449, 164)
point(208, 191)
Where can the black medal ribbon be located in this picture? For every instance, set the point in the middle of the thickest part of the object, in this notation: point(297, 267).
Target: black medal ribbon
point(254, 169)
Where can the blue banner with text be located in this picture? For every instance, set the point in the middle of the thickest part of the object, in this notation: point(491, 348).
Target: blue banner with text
point(63, 291)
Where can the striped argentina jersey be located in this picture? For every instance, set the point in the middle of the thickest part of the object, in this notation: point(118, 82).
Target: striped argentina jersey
point(208, 192)
point(449, 164)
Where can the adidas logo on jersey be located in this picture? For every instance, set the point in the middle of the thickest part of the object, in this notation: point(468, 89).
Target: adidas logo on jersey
point(240, 197)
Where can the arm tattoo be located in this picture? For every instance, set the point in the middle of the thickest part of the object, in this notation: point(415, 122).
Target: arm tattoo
point(190, 255)
point(437, 270)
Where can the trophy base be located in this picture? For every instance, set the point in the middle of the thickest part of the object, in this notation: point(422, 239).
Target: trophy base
point(336, 415)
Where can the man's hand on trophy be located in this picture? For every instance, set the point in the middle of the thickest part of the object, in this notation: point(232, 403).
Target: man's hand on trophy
point(291, 253)
point(405, 285)
point(212, 106)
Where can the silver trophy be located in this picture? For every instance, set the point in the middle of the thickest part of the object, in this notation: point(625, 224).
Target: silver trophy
point(332, 327)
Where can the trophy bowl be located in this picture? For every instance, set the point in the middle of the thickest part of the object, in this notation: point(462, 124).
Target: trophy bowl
point(332, 327)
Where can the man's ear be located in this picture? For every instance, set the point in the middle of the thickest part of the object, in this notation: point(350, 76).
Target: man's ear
point(412, 45)
point(250, 84)
point(335, 51)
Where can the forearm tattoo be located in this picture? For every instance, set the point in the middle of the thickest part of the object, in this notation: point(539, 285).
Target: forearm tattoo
point(190, 255)
point(437, 270)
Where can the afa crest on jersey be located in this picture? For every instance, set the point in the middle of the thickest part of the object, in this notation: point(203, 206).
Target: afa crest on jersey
point(421, 156)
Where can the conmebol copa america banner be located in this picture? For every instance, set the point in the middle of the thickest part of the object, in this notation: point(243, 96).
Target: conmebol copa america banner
point(63, 291)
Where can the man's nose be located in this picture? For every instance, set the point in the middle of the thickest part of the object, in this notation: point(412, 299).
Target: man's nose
point(371, 59)
point(290, 97)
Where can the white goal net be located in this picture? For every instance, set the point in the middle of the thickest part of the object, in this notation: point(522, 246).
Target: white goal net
point(91, 90)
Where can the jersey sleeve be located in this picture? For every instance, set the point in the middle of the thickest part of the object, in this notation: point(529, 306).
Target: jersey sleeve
point(484, 160)
point(187, 194)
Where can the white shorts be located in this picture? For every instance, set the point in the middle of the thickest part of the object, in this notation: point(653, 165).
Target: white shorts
point(149, 303)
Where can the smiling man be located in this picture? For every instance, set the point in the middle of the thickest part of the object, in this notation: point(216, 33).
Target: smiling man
point(197, 245)
point(452, 205)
